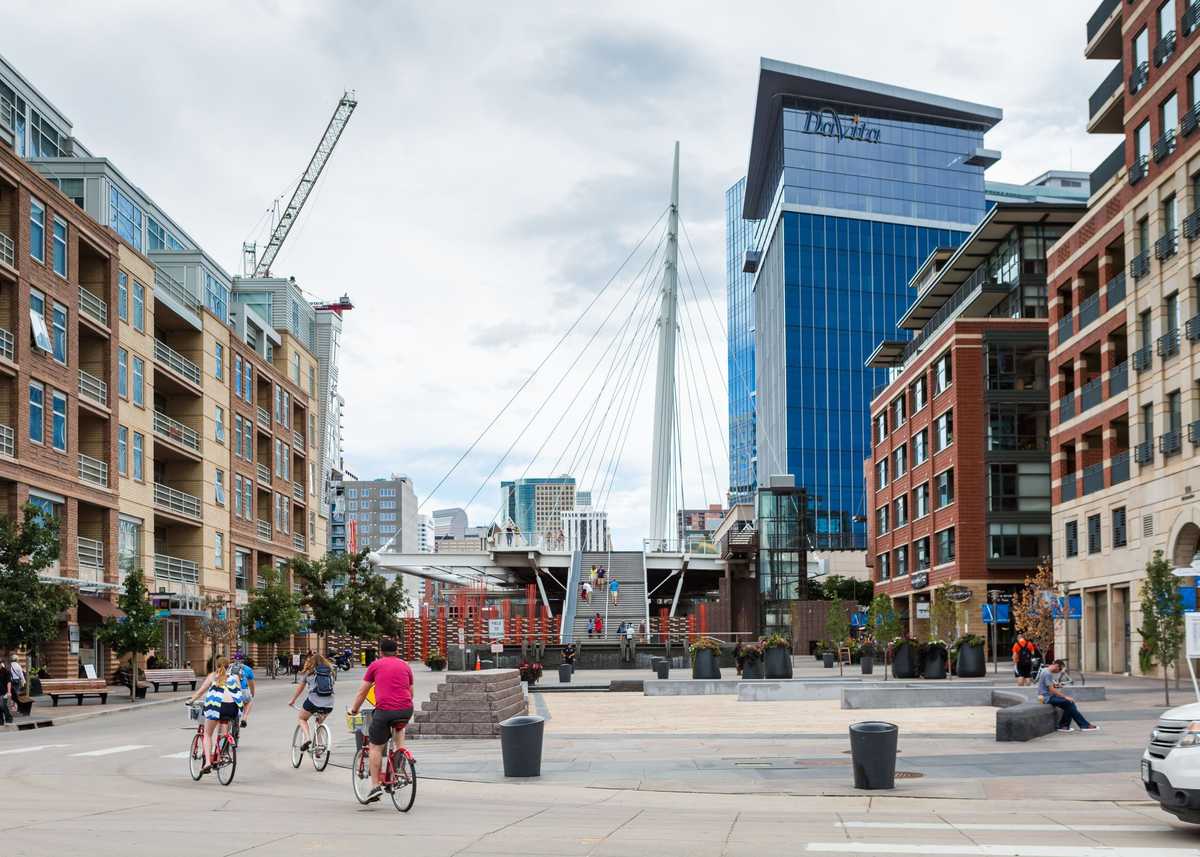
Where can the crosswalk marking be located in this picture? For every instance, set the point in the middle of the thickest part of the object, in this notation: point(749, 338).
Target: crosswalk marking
point(108, 751)
point(33, 749)
point(1031, 828)
point(999, 850)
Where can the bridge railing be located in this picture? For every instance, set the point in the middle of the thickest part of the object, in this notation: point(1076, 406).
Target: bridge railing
point(692, 546)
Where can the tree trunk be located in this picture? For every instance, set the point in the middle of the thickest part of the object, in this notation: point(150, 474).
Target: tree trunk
point(1166, 687)
point(133, 677)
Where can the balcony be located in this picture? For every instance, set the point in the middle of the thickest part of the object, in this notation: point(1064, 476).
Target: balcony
point(1093, 478)
point(1066, 327)
point(93, 388)
point(1091, 395)
point(1119, 471)
point(1118, 379)
point(8, 251)
point(264, 474)
point(298, 491)
point(89, 553)
point(298, 541)
point(1115, 290)
point(1189, 121)
point(1138, 169)
point(179, 502)
point(1143, 453)
point(1139, 265)
point(1192, 328)
point(297, 441)
point(1194, 433)
point(1166, 246)
point(1066, 407)
point(1139, 77)
point(264, 418)
point(1170, 443)
point(1191, 225)
point(1191, 19)
point(93, 307)
point(176, 362)
point(1104, 31)
point(1107, 103)
point(1164, 146)
point(1089, 310)
point(1143, 359)
point(264, 530)
point(1164, 49)
point(1168, 344)
point(1108, 168)
point(176, 432)
point(1070, 487)
point(8, 444)
point(176, 570)
point(93, 470)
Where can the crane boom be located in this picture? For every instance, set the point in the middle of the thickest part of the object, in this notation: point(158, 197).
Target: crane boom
point(337, 124)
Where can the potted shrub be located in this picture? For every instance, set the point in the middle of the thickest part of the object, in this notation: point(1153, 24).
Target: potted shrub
point(777, 656)
point(752, 664)
point(530, 672)
point(904, 658)
point(819, 650)
point(969, 660)
point(866, 658)
point(933, 659)
point(705, 653)
point(435, 660)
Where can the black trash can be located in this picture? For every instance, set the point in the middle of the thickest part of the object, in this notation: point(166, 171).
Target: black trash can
point(521, 745)
point(868, 664)
point(663, 668)
point(827, 659)
point(873, 754)
point(564, 673)
point(369, 656)
point(655, 660)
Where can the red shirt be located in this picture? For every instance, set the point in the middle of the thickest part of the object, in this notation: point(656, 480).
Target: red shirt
point(393, 680)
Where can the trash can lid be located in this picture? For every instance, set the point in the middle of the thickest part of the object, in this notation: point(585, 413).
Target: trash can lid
point(873, 726)
point(523, 720)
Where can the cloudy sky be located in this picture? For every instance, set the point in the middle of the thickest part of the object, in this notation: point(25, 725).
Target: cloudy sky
point(503, 160)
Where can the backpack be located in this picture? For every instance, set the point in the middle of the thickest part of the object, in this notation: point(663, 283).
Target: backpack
point(236, 671)
point(323, 681)
point(1024, 657)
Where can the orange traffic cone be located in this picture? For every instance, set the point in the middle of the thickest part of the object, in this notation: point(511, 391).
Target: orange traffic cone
point(478, 665)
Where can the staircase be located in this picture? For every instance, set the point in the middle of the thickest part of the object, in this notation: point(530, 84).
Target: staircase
point(629, 569)
point(570, 599)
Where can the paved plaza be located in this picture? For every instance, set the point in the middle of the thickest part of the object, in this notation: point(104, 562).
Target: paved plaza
point(622, 774)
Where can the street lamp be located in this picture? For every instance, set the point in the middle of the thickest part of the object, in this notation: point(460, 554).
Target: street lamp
point(994, 595)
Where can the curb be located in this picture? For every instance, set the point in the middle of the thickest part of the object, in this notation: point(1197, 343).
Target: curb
point(36, 722)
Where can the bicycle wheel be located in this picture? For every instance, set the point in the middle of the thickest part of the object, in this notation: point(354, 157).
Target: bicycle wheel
point(297, 743)
point(360, 774)
point(196, 757)
point(404, 791)
point(322, 742)
point(227, 763)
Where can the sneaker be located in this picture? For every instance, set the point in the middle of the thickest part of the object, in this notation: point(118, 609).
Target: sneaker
point(243, 724)
point(376, 794)
point(304, 747)
point(1091, 727)
point(1064, 729)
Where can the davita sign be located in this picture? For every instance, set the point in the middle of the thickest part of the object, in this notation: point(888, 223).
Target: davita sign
point(829, 123)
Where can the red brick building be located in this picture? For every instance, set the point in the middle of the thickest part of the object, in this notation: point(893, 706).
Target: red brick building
point(960, 473)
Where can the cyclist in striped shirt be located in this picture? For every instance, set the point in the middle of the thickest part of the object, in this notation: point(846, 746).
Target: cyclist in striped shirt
point(223, 700)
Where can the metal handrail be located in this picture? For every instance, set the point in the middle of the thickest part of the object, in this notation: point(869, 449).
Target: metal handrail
point(1143, 453)
point(1166, 246)
point(1066, 407)
point(91, 387)
point(1093, 478)
point(175, 361)
point(297, 441)
point(1139, 76)
point(1139, 168)
point(264, 530)
point(1118, 379)
point(166, 283)
point(177, 501)
point(176, 569)
point(1143, 359)
point(264, 473)
point(1089, 310)
point(1100, 16)
point(93, 470)
point(1119, 471)
point(173, 429)
point(1164, 48)
point(1091, 394)
point(1066, 327)
point(1139, 265)
point(89, 552)
point(1168, 343)
point(96, 307)
point(298, 491)
point(264, 418)
point(1191, 18)
point(1110, 86)
point(298, 541)
point(1170, 443)
point(1108, 168)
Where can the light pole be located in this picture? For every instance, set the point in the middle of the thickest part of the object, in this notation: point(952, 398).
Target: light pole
point(994, 595)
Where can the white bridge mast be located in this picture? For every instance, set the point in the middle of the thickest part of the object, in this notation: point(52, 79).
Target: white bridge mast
point(662, 506)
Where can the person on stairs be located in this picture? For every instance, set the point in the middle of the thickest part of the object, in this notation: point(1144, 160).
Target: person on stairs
point(614, 589)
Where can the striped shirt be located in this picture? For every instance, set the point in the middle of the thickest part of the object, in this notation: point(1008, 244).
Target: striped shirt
point(226, 689)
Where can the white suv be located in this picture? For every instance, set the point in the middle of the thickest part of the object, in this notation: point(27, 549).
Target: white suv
point(1171, 763)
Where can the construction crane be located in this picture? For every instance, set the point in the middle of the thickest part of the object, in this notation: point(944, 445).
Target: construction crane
point(333, 132)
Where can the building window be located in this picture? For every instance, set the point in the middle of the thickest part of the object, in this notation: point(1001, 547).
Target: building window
point(945, 488)
point(898, 411)
point(219, 356)
point(945, 546)
point(351, 493)
point(901, 561)
point(1023, 487)
point(241, 566)
point(312, 381)
point(122, 373)
point(882, 559)
point(295, 361)
point(219, 427)
point(58, 322)
point(1093, 524)
point(58, 420)
point(122, 296)
point(139, 306)
point(881, 519)
point(919, 394)
point(387, 504)
point(351, 505)
point(1013, 427)
point(37, 320)
point(37, 230)
point(921, 500)
point(881, 468)
point(129, 544)
point(139, 447)
point(1072, 538)
point(37, 412)
point(900, 505)
point(219, 487)
point(942, 373)
point(139, 381)
point(60, 247)
point(1118, 527)
point(237, 496)
point(248, 382)
point(921, 447)
point(237, 375)
point(218, 549)
point(247, 499)
point(1018, 541)
point(922, 546)
point(1016, 367)
point(881, 427)
point(900, 461)
point(216, 297)
point(125, 217)
point(122, 450)
point(944, 430)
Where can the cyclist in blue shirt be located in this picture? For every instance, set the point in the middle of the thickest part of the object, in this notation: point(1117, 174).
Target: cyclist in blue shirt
point(244, 670)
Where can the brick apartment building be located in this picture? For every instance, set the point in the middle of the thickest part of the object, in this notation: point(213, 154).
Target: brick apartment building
point(959, 478)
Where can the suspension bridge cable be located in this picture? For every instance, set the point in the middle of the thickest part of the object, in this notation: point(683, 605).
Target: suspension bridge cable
point(695, 344)
point(612, 475)
point(549, 397)
point(546, 359)
point(694, 393)
point(700, 270)
point(707, 335)
point(691, 401)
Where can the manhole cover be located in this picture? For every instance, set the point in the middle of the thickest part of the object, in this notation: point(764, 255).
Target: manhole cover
point(908, 775)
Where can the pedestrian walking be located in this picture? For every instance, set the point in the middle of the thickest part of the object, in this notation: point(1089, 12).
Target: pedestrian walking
point(598, 624)
point(587, 592)
point(614, 590)
point(6, 693)
point(1022, 658)
point(1050, 692)
point(601, 575)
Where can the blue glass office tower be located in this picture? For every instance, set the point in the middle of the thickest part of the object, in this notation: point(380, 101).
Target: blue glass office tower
point(739, 299)
point(852, 184)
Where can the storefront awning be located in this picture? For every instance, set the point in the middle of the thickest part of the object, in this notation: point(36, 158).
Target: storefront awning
point(103, 609)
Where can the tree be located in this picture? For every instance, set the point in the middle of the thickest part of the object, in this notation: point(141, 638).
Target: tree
point(29, 606)
point(1035, 606)
point(138, 631)
point(1162, 616)
point(883, 620)
point(273, 613)
point(319, 597)
point(217, 628)
point(835, 587)
point(944, 615)
point(373, 605)
point(837, 625)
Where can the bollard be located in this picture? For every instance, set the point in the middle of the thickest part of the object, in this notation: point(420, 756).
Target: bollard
point(521, 745)
point(873, 754)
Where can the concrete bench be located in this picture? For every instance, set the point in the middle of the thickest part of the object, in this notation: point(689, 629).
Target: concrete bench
point(1018, 719)
point(171, 677)
point(78, 688)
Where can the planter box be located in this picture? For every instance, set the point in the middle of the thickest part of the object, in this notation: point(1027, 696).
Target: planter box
point(753, 668)
point(437, 668)
point(705, 665)
point(778, 662)
point(970, 662)
point(933, 665)
point(904, 661)
point(827, 659)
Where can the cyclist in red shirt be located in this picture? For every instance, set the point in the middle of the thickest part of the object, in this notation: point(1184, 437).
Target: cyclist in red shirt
point(393, 682)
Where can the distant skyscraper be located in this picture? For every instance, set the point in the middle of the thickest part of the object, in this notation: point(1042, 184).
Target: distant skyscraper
point(739, 299)
point(536, 504)
point(425, 537)
point(449, 523)
point(383, 508)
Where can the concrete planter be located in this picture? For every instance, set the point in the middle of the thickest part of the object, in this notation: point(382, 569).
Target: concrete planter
point(904, 661)
point(705, 665)
point(867, 662)
point(933, 664)
point(753, 668)
point(778, 662)
point(970, 662)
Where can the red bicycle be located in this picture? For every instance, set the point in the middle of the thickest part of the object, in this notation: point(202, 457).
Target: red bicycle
point(226, 764)
point(398, 773)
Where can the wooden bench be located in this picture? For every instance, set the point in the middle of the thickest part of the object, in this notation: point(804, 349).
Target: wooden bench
point(76, 687)
point(171, 677)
